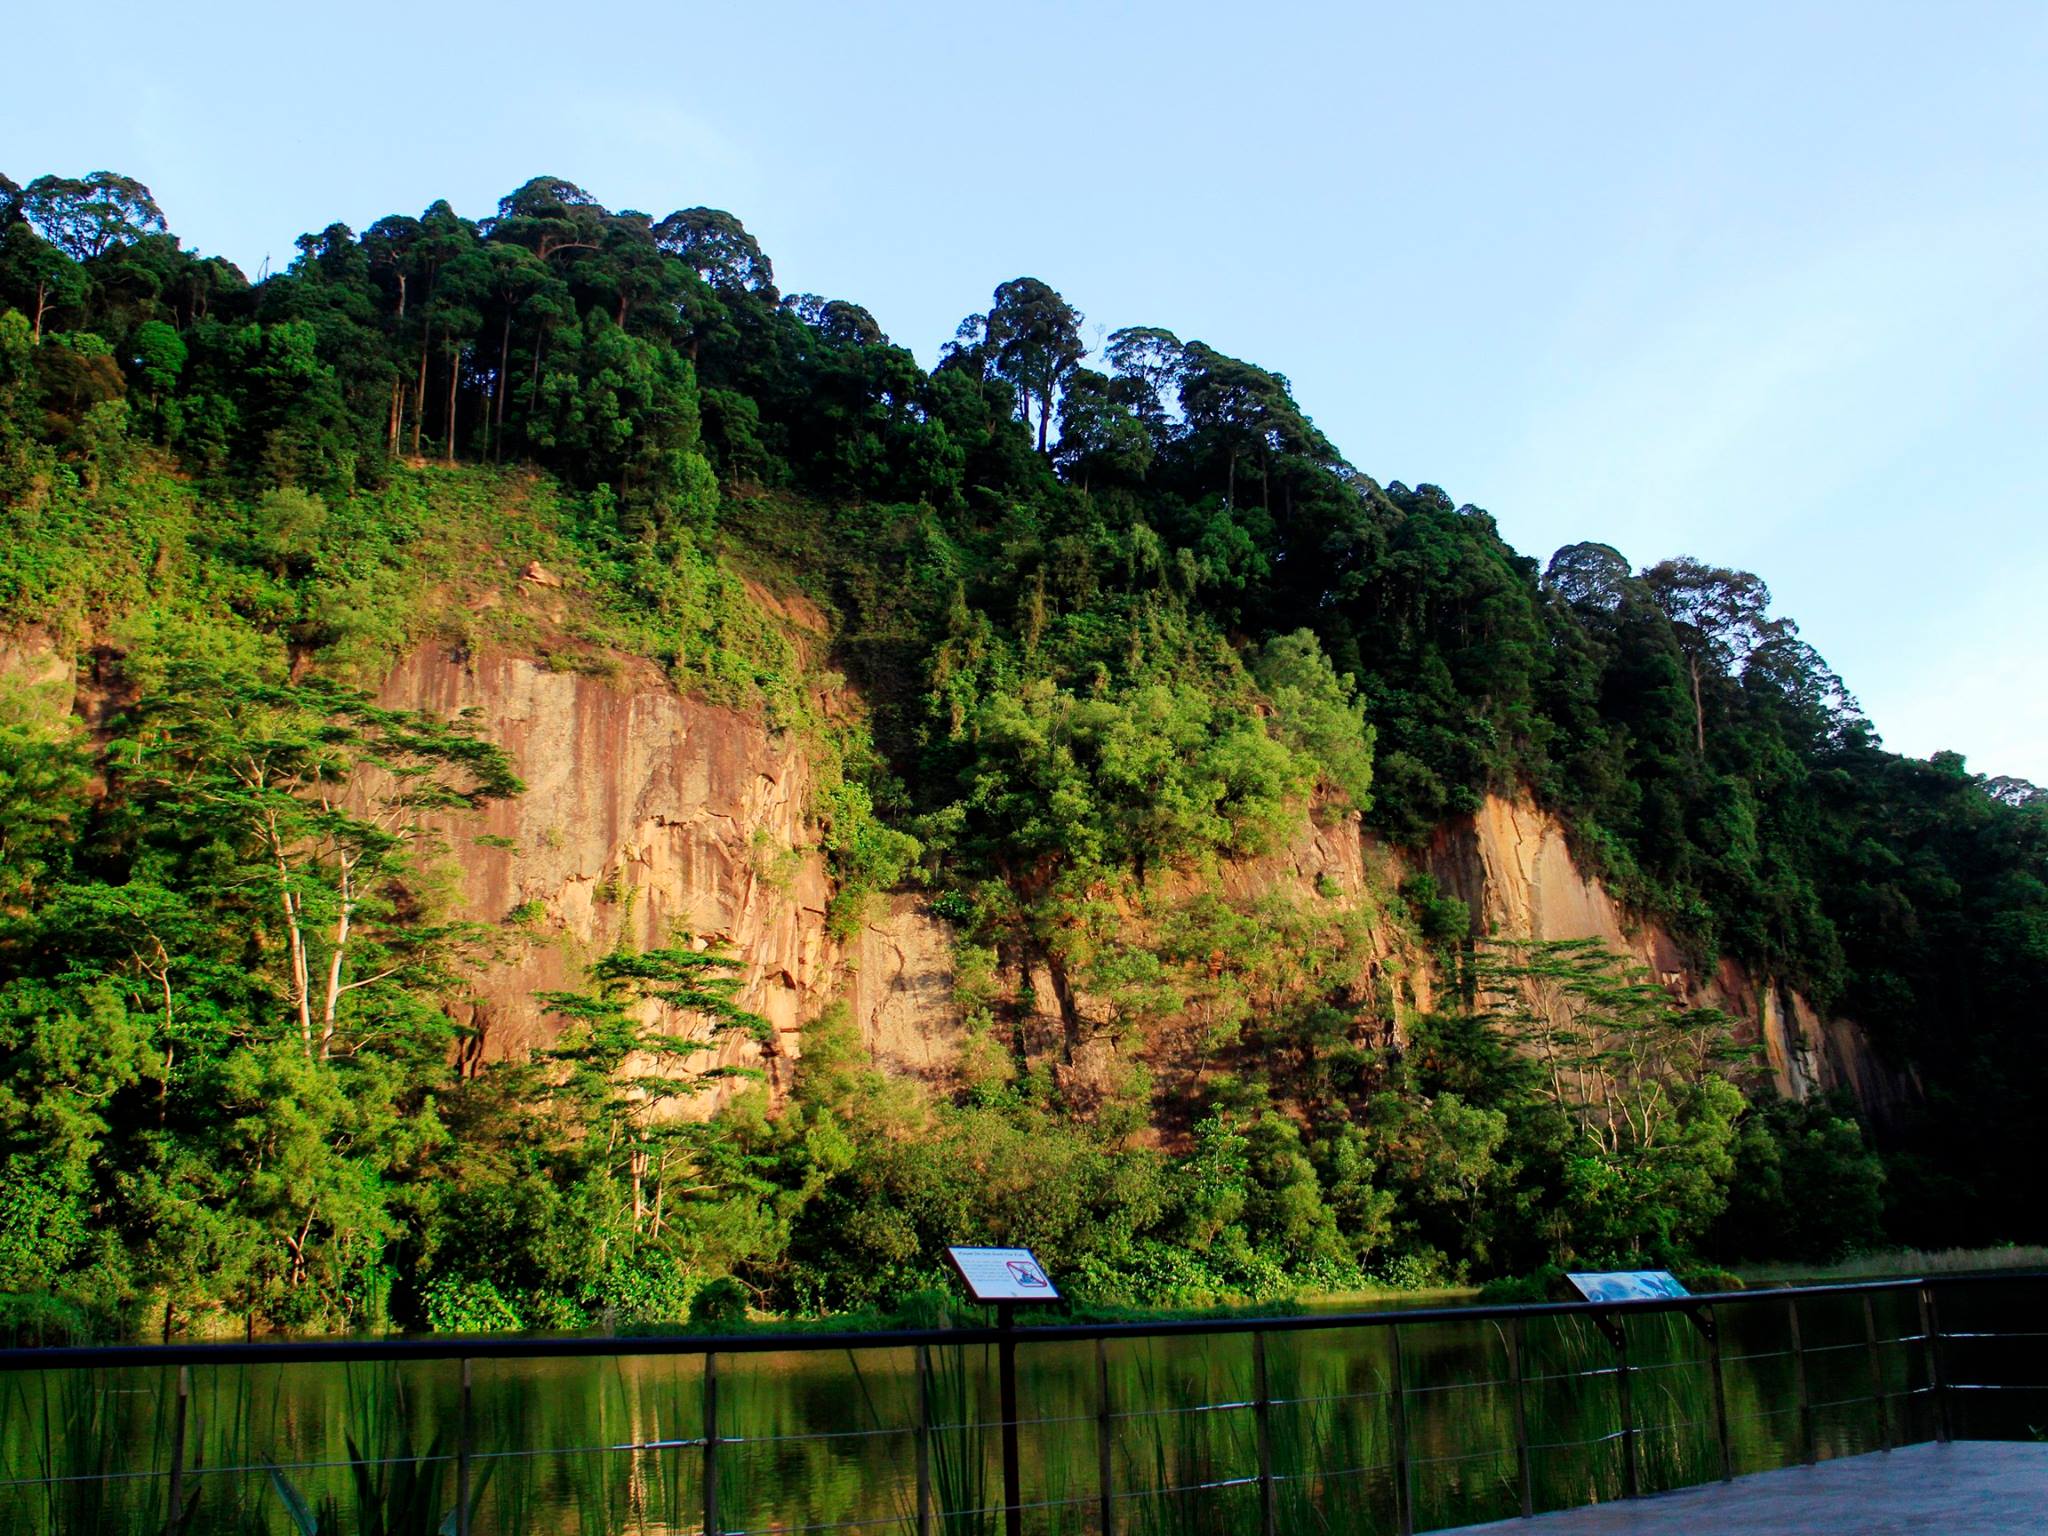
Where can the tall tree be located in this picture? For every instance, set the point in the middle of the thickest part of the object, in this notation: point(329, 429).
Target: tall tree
point(1722, 617)
point(1034, 338)
point(717, 247)
point(87, 216)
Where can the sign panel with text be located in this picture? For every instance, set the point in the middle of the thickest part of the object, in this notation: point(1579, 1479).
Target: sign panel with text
point(1628, 1285)
point(1002, 1274)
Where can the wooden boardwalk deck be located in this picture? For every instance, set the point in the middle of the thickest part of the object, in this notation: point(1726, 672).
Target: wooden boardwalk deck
point(1969, 1488)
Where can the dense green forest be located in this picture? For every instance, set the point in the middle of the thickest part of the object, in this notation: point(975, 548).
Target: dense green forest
point(1111, 614)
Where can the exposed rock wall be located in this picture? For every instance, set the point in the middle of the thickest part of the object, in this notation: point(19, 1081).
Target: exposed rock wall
point(899, 989)
point(1512, 866)
point(648, 812)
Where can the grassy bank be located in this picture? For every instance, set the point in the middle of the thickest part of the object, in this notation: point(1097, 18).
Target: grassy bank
point(1895, 1263)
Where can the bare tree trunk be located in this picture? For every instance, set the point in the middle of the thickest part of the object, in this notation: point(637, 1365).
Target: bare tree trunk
point(498, 404)
point(295, 938)
point(454, 379)
point(1699, 713)
point(397, 392)
point(419, 395)
point(331, 1004)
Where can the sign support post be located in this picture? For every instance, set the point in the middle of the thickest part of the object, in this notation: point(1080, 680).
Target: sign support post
point(1004, 1278)
point(1006, 1368)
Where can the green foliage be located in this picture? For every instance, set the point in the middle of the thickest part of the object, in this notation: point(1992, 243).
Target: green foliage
point(1318, 713)
point(1095, 672)
point(720, 1303)
point(1806, 1186)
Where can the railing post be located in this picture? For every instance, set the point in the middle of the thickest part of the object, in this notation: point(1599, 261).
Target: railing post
point(1937, 1367)
point(1404, 1496)
point(1616, 1329)
point(1262, 1411)
point(1013, 1476)
point(1802, 1393)
point(462, 1450)
point(1522, 1473)
point(1103, 1438)
point(924, 1441)
point(1884, 1418)
point(177, 1512)
point(711, 1526)
point(1712, 1324)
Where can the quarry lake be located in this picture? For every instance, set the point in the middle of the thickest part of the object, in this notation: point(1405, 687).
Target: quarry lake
point(831, 1438)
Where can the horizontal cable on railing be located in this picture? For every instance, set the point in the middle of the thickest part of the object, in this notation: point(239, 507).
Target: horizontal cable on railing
point(947, 1429)
point(1999, 1386)
point(1493, 1453)
point(1159, 1413)
point(814, 1434)
point(1453, 1386)
point(1645, 1368)
point(1305, 1477)
point(565, 1450)
point(1595, 1370)
point(2039, 1334)
point(1670, 1424)
point(246, 1468)
point(1829, 1349)
point(78, 1477)
point(1762, 1354)
point(1338, 1397)
point(1164, 1493)
point(1567, 1445)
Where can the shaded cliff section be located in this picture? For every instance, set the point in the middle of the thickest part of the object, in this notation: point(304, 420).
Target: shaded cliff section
point(1511, 863)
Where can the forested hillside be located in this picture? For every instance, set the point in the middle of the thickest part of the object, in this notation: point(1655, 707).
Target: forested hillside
point(1099, 623)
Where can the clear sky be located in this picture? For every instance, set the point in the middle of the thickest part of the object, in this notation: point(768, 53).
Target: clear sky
point(1765, 284)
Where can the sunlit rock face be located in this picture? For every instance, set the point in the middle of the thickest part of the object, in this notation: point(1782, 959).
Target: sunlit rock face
point(649, 813)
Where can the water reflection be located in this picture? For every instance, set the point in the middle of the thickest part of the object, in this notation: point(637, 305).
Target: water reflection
point(823, 1440)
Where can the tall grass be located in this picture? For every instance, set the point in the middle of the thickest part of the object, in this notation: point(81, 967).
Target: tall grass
point(1898, 1263)
point(63, 1459)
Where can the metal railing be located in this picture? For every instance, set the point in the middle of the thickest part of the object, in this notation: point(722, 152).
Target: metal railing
point(1399, 1428)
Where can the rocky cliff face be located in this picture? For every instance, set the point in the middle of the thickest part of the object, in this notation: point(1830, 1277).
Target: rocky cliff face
point(648, 813)
point(1511, 865)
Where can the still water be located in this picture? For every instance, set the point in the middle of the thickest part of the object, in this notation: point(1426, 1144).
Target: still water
point(830, 1440)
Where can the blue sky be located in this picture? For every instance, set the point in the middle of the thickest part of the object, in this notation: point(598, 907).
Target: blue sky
point(1765, 284)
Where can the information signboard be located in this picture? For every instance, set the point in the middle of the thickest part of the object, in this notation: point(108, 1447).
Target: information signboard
point(1002, 1274)
point(1628, 1285)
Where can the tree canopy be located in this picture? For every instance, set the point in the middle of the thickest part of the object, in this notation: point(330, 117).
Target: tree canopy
point(1115, 629)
